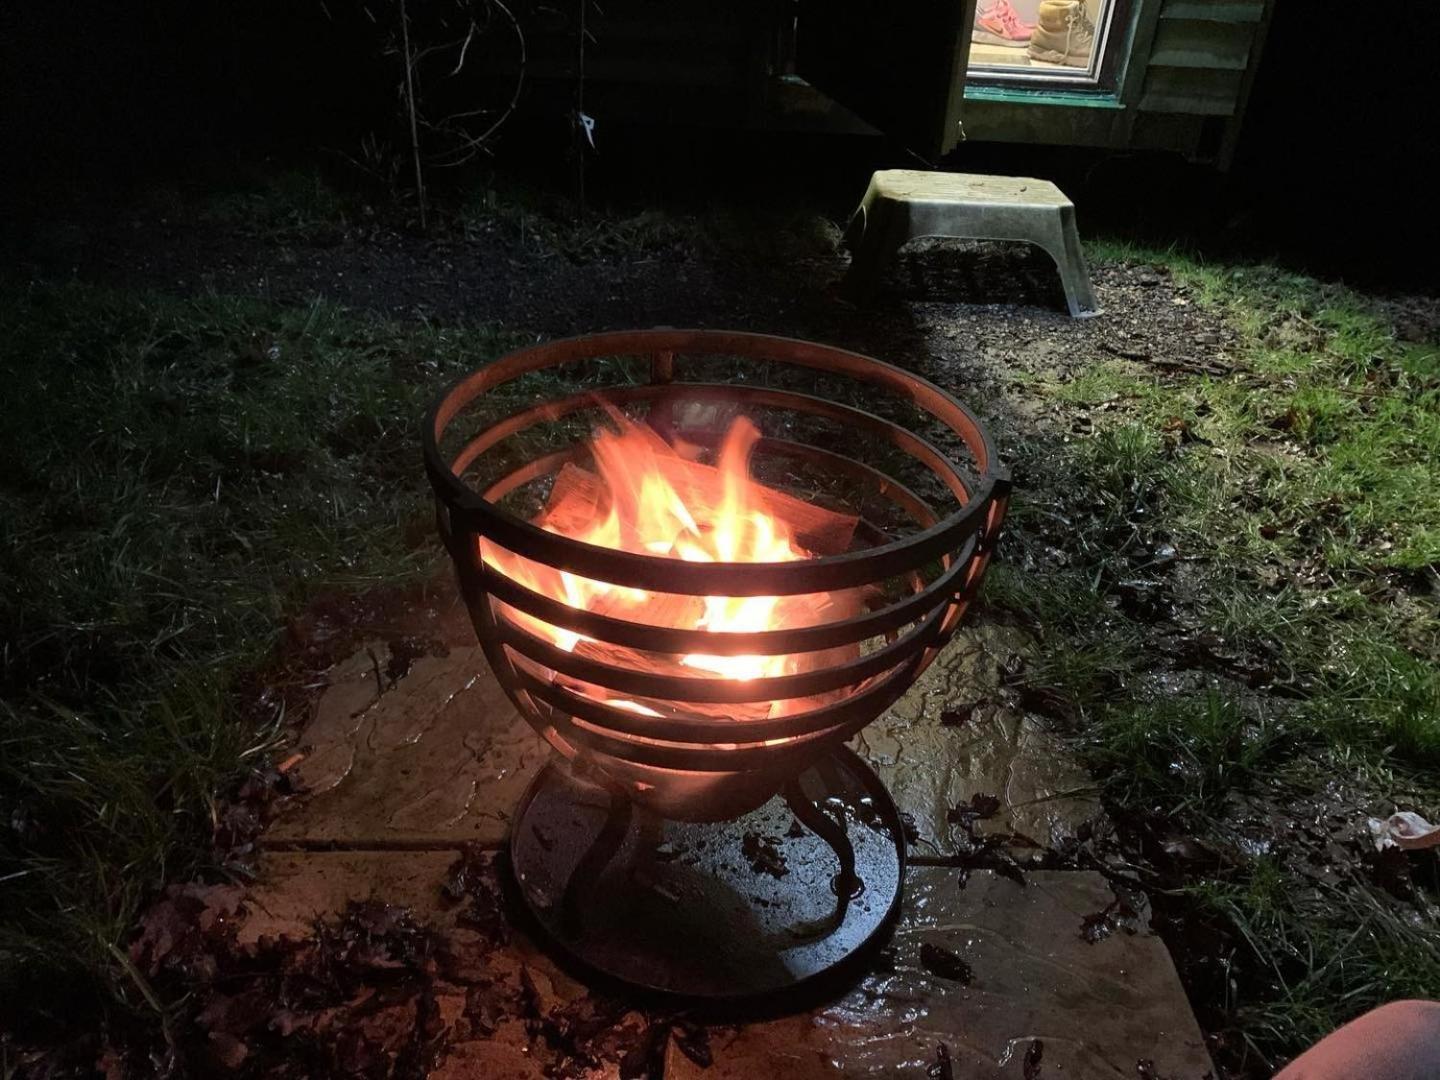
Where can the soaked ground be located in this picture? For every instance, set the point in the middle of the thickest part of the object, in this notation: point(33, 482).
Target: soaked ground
point(1031, 892)
point(997, 960)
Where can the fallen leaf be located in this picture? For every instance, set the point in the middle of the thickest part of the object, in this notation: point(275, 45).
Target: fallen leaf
point(1004, 865)
point(693, 1041)
point(957, 715)
point(1033, 1057)
point(764, 855)
point(228, 1051)
point(981, 807)
point(182, 930)
point(1188, 849)
point(1406, 830)
point(940, 961)
point(111, 1065)
point(473, 877)
point(1117, 915)
point(984, 805)
point(942, 1069)
point(646, 1058)
point(907, 823)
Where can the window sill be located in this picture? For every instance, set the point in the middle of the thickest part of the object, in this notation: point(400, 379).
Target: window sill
point(1074, 99)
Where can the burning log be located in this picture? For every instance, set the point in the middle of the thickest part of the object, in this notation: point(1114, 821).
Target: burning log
point(647, 497)
point(579, 496)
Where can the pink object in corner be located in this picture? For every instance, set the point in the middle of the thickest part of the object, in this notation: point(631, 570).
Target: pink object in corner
point(999, 23)
point(1398, 1041)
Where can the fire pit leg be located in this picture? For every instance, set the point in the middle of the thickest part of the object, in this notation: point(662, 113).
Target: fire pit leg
point(725, 910)
point(846, 883)
point(597, 857)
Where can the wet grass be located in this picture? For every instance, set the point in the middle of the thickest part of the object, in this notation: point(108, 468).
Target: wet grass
point(1245, 616)
point(1185, 754)
point(181, 476)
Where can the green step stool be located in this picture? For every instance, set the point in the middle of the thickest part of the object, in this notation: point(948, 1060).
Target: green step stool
point(904, 204)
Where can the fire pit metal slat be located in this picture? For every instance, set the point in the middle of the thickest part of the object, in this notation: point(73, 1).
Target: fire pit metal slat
point(885, 486)
point(843, 719)
point(720, 691)
point(763, 396)
point(921, 512)
point(654, 343)
point(731, 642)
point(727, 579)
point(897, 493)
point(824, 574)
point(701, 731)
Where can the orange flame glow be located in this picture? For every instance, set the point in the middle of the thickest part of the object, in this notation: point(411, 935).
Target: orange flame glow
point(647, 498)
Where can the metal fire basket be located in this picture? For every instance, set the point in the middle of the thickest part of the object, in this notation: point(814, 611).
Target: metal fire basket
point(653, 850)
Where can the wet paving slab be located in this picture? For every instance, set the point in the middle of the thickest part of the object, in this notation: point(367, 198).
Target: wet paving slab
point(999, 980)
point(439, 756)
point(1011, 980)
point(405, 765)
point(955, 736)
point(436, 756)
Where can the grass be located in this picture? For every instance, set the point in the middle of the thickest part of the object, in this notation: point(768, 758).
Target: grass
point(1185, 754)
point(1327, 951)
point(181, 476)
point(1299, 655)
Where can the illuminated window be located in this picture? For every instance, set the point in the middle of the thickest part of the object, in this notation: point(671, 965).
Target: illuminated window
point(1041, 40)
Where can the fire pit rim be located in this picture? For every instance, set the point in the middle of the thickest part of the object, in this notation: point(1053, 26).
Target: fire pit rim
point(666, 759)
point(655, 572)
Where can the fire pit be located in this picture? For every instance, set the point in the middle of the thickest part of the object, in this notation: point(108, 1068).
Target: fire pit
point(697, 596)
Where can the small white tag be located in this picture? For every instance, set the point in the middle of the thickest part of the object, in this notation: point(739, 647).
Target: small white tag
point(588, 123)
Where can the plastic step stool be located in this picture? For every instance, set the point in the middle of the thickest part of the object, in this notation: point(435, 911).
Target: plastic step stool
point(904, 204)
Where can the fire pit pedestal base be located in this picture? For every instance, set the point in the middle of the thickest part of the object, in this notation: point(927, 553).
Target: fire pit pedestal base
point(733, 909)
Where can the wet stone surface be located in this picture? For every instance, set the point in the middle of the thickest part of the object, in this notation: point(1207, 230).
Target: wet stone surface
point(986, 971)
point(435, 755)
point(429, 753)
point(952, 738)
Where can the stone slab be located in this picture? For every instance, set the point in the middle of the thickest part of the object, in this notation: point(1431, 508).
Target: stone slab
point(294, 888)
point(440, 756)
point(437, 755)
point(987, 748)
point(1097, 1009)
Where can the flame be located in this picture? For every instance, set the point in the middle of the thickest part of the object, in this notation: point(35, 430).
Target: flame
point(740, 532)
point(648, 497)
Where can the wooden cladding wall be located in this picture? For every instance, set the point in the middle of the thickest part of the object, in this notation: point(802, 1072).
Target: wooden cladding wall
point(677, 43)
point(1200, 59)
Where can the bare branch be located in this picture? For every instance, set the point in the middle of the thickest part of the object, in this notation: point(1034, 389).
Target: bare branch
point(472, 145)
point(413, 110)
point(465, 48)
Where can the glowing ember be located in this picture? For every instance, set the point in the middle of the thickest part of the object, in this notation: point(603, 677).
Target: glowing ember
point(648, 497)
